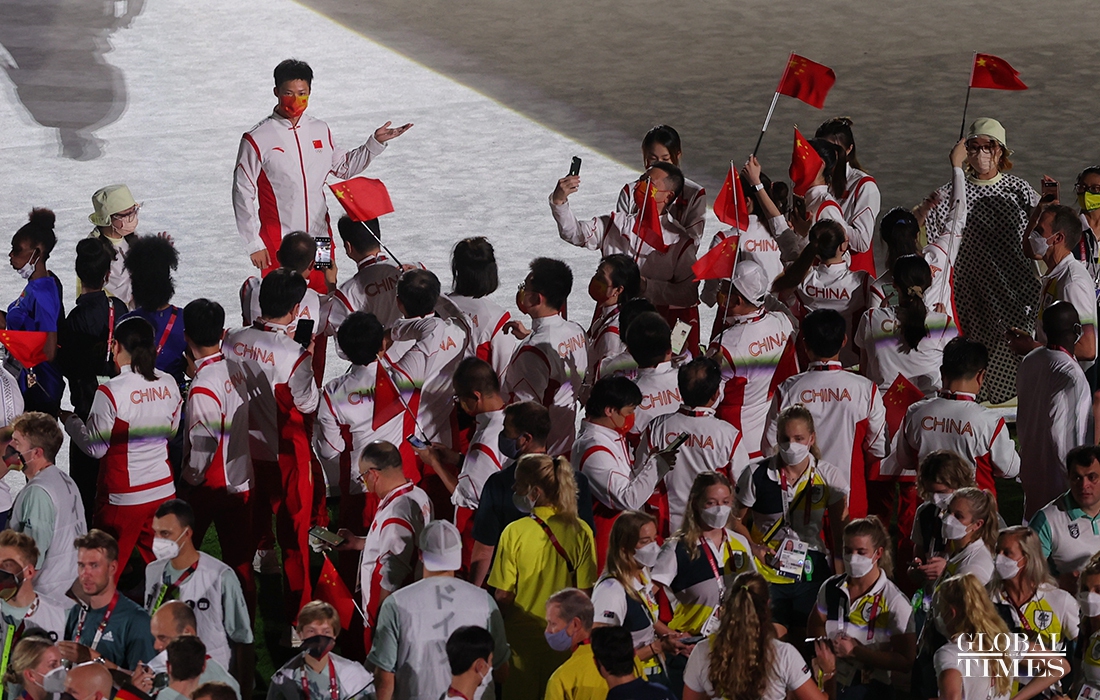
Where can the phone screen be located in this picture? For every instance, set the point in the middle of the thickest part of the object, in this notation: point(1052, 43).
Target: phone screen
point(323, 259)
point(326, 536)
point(303, 333)
point(417, 442)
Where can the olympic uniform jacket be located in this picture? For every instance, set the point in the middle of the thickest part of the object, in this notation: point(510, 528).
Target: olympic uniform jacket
point(548, 368)
point(756, 353)
point(373, 289)
point(389, 554)
point(424, 372)
point(309, 308)
point(604, 341)
point(689, 210)
point(278, 388)
point(660, 394)
point(353, 682)
point(128, 430)
point(860, 205)
point(954, 422)
point(835, 286)
point(45, 613)
point(757, 244)
point(216, 443)
point(884, 355)
point(488, 341)
point(279, 179)
point(483, 459)
point(849, 418)
point(56, 553)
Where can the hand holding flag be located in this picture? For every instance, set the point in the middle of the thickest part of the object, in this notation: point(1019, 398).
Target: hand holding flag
point(898, 398)
point(719, 261)
point(27, 347)
point(332, 589)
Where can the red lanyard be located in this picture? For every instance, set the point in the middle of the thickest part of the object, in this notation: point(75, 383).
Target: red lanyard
point(102, 623)
point(169, 589)
point(957, 396)
point(167, 330)
point(808, 499)
point(705, 544)
point(872, 616)
point(110, 324)
point(453, 692)
point(554, 541)
point(333, 688)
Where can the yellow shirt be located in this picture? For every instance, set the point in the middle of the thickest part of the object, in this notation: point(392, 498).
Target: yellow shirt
point(577, 678)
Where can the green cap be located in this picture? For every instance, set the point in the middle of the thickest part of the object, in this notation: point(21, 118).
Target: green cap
point(110, 200)
point(990, 128)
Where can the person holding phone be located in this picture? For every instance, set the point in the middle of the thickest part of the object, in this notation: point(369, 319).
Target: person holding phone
point(860, 199)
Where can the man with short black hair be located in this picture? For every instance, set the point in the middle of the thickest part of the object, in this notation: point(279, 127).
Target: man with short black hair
point(613, 652)
point(549, 364)
point(186, 662)
point(649, 341)
point(290, 189)
point(213, 690)
point(470, 657)
point(373, 288)
point(1069, 526)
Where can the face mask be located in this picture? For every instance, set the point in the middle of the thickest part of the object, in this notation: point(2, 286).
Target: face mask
point(628, 423)
point(857, 565)
point(293, 106)
point(126, 226)
point(54, 681)
point(66, 696)
point(941, 626)
point(981, 161)
point(792, 452)
point(10, 584)
point(1006, 567)
point(942, 500)
point(647, 555)
point(560, 640)
point(522, 504)
point(716, 516)
point(509, 447)
point(521, 302)
point(597, 290)
point(318, 645)
point(1038, 244)
point(485, 680)
point(1090, 603)
point(27, 270)
point(14, 459)
point(166, 549)
point(952, 529)
point(1088, 201)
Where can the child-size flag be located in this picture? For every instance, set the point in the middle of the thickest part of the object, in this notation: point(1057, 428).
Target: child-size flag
point(994, 73)
point(363, 198)
point(730, 206)
point(805, 165)
point(718, 263)
point(898, 398)
point(807, 81)
point(332, 589)
point(25, 346)
point(647, 223)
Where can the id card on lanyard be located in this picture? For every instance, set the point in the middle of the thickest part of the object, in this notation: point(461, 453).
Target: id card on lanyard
point(333, 686)
point(102, 623)
point(711, 625)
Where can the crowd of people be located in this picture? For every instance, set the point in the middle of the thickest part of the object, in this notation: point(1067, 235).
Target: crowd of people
point(813, 498)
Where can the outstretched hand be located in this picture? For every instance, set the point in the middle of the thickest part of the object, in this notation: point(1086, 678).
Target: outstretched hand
point(384, 133)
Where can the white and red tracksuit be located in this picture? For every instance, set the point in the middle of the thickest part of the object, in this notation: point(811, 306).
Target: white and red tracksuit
point(548, 368)
point(390, 552)
point(660, 389)
point(836, 286)
point(712, 445)
point(689, 210)
point(128, 429)
point(670, 282)
point(956, 422)
point(885, 356)
point(860, 206)
point(757, 244)
point(604, 340)
point(488, 341)
point(217, 463)
point(309, 308)
point(756, 352)
point(426, 369)
point(849, 419)
point(482, 460)
point(604, 456)
point(279, 180)
point(280, 392)
point(372, 289)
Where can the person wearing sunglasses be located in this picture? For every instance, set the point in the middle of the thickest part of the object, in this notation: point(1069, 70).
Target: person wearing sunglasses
point(20, 605)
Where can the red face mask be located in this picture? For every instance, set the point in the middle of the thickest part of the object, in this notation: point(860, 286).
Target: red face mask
point(597, 289)
point(293, 106)
point(523, 307)
point(628, 423)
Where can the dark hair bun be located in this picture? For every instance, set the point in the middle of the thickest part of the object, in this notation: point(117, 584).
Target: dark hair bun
point(40, 216)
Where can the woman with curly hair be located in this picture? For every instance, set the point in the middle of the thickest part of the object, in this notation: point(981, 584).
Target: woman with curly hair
point(965, 615)
point(744, 660)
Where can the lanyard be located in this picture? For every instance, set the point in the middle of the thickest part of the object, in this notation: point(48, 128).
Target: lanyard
point(167, 589)
point(333, 688)
point(452, 692)
point(789, 504)
point(712, 560)
point(10, 637)
point(167, 330)
point(826, 367)
point(102, 623)
point(110, 324)
point(875, 604)
point(957, 396)
point(557, 545)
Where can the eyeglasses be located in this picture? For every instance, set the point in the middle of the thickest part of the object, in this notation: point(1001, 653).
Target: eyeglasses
point(362, 476)
point(1081, 188)
point(126, 215)
point(988, 147)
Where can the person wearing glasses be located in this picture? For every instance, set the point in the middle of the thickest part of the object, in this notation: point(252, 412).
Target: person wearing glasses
point(115, 216)
point(994, 281)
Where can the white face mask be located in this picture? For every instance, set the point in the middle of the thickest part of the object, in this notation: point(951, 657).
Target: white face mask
point(27, 270)
point(54, 681)
point(792, 452)
point(952, 529)
point(857, 565)
point(941, 626)
point(484, 684)
point(647, 555)
point(1090, 603)
point(1038, 244)
point(1006, 567)
point(716, 516)
point(166, 549)
point(942, 500)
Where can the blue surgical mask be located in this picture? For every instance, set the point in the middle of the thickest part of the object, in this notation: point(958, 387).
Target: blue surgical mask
point(509, 447)
point(560, 640)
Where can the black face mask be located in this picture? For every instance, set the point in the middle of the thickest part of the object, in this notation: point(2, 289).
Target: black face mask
point(11, 454)
point(9, 584)
point(319, 645)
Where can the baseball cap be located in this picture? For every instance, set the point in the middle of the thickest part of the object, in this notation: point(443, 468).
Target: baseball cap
point(750, 281)
point(441, 546)
point(990, 128)
point(110, 200)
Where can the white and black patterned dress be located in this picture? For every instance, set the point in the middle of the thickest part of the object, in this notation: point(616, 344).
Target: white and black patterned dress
point(995, 286)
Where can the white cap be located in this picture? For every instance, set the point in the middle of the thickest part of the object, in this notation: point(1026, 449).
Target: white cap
point(441, 546)
point(751, 282)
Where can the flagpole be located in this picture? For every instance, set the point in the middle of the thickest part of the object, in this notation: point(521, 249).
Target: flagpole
point(969, 87)
point(736, 251)
point(400, 397)
point(641, 222)
point(357, 608)
point(379, 241)
point(771, 110)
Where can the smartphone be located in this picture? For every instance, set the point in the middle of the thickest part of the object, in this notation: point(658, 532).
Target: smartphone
point(323, 259)
point(677, 443)
point(679, 336)
point(417, 442)
point(326, 536)
point(575, 167)
point(688, 641)
point(303, 333)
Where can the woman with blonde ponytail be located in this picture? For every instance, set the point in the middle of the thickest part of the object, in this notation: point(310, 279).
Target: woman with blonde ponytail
point(744, 660)
point(539, 555)
point(964, 615)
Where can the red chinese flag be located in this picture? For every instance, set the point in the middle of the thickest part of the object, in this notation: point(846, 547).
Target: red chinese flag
point(647, 224)
point(898, 398)
point(729, 206)
point(994, 73)
point(387, 399)
point(805, 165)
point(363, 198)
point(332, 589)
point(807, 81)
point(718, 263)
point(25, 346)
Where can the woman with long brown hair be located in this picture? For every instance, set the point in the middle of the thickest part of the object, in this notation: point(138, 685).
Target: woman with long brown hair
point(744, 660)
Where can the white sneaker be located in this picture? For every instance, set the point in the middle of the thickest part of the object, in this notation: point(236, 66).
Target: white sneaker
point(266, 561)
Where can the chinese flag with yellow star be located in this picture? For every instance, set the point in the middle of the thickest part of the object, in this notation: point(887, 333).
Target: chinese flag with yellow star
point(718, 263)
point(807, 81)
point(994, 74)
point(729, 205)
point(805, 165)
point(898, 398)
point(28, 347)
point(332, 589)
point(647, 223)
point(363, 198)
